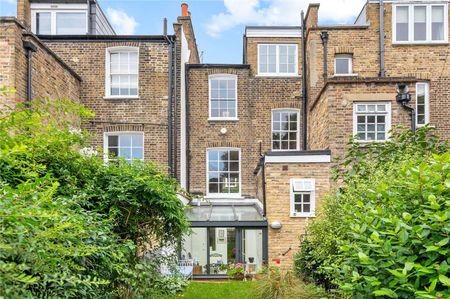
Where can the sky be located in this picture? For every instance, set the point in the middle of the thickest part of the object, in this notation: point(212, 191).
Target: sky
point(218, 24)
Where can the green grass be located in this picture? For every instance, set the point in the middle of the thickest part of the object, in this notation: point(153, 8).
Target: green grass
point(219, 290)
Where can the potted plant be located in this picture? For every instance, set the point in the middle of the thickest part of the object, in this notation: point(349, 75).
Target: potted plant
point(236, 271)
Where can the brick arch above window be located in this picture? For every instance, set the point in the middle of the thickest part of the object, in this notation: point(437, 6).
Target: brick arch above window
point(224, 144)
point(294, 104)
point(124, 128)
point(343, 50)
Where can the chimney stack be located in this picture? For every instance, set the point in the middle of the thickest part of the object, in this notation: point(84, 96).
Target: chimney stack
point(24, 13)
point(185, 10)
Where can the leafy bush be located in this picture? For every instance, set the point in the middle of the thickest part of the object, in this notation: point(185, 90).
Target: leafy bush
point(72, 225)
point(386, 231)
point(284, 285)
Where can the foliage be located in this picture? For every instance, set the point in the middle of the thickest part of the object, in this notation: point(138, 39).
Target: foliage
point(279, 285)
point(236, 271)
point(385, 233)
point(72, 225)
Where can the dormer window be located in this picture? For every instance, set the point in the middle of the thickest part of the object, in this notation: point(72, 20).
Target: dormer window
point(61, 22)
point(277, 60)
point(420, 23)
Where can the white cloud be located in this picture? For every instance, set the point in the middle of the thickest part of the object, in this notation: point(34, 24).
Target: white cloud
point(122, 23)
point(279, 12)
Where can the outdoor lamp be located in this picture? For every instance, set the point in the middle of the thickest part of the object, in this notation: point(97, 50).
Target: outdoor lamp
point(276, 224)
point(403, 95)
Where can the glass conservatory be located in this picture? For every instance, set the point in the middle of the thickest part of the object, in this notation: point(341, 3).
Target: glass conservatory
point(224, 234)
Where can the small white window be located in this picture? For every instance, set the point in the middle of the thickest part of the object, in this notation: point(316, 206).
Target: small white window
point(129, 146)
point(223, 97)
point(278, 59)
point(371, 121)
point(303, 201)
point(285, 130)
point(343, 65)
point(122, 72)
point(223, 172)
point(420, 23)
point(65, 22)
point(422, 103)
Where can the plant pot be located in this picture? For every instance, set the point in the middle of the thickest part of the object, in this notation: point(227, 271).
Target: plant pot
point(251, 259)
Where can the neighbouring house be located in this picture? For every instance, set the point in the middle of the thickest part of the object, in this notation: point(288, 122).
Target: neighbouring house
point(253, 143)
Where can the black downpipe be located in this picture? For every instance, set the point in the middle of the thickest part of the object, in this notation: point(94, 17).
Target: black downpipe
point(263, 173)
point(324, 37)
point(169, 104)
point(186, 124)
point(175, 109)
point(304, 87)
point(30, 48)
point(382, 50)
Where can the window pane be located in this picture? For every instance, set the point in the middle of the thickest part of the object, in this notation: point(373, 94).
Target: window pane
point(420, 23)
point(223, 167)
point(138, 153)
point(437, 23)
point(70, 23)
point(342, 65)
point(402, 23)
point(223, 97)
point(43, 23)
point(113, 141)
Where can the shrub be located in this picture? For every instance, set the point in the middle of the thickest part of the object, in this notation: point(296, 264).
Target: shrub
point(385, 231)
point(284, 285)
point(72, 225)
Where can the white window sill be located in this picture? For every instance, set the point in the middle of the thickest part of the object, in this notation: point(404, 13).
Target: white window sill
point(285, 150)
point(424, 43)
point(345, 75)
point(224, 196)
point(121, 97)
point(223, 119)
point(277, 75)
point(307, 215)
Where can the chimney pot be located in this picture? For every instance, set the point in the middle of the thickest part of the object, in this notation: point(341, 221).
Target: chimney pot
point(185, 10)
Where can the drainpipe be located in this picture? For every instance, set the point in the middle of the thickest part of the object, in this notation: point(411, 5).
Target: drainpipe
point(263, 165)
point(169, 105)
point(304, 87)
point(324, 37)
point(382, 50)
point(175, 108)
point(186, 124)
point(30, 48)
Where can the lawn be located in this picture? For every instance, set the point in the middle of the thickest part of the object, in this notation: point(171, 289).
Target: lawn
point(219, 290)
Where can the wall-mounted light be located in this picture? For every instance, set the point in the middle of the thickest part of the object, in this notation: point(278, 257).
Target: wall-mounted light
point(403, 95)
point(276, 224)
point(223, 131)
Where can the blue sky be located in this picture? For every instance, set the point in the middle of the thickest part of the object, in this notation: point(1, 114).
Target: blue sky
point(218, 24)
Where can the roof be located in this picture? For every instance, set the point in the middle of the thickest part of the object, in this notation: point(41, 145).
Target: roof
point(106, 38)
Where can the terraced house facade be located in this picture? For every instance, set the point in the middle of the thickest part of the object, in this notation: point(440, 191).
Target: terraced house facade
point(253, 143)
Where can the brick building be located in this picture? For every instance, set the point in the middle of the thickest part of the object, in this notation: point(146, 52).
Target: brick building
point(253, 143)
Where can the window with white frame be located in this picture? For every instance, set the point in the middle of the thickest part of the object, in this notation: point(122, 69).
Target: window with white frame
point(343, 64)
point(372, 121)
point(223, 172)
point(278, 59)
point(51, 22)
point(129, 146)
point(422, 103)
point(303, 198)
point(223, 97)
point(285, 130)
point(122, 72)
point(420, 23)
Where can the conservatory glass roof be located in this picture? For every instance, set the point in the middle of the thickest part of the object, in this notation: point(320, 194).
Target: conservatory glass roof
point(224, 213)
